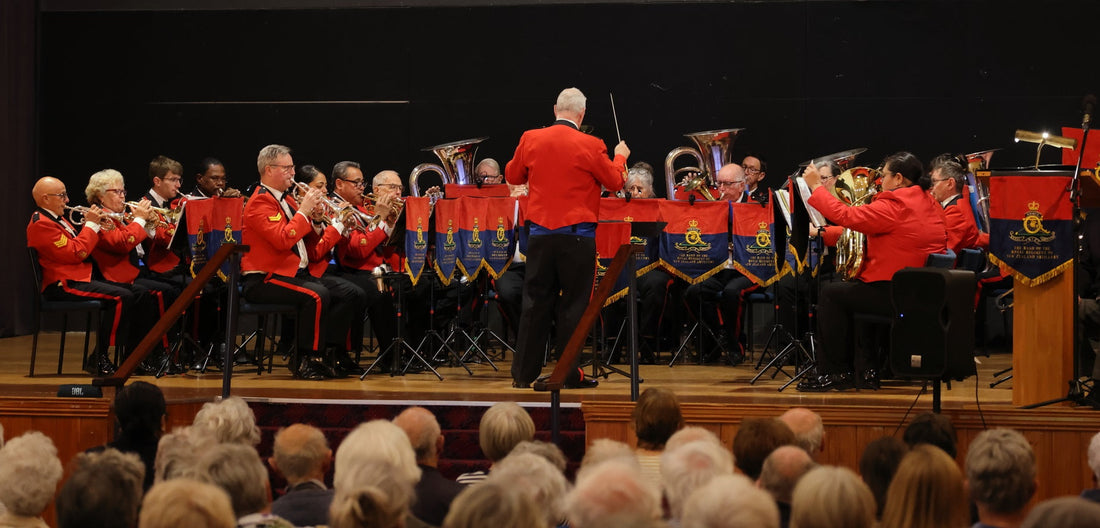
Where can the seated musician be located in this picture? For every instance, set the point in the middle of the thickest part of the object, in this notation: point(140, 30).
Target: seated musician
point(275, 270)
point(488, 171)
point(117, 253)
point(903, 225)
point(314, 177)
point(947, 179)
point(729, 282)
point(755, 172)
point(639, 181)
point(211, 181)
point(63, 251)
point(162, 262)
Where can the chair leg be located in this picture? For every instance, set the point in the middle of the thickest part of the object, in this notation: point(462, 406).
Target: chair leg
point(34, 344)
point(61, 352)
point(87, 336)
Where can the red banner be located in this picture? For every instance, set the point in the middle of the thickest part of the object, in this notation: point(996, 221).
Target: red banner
point(212, 222)
point(417, 235)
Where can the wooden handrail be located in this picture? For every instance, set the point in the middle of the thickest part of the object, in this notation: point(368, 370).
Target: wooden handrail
point(173, 313)
point(556, 380)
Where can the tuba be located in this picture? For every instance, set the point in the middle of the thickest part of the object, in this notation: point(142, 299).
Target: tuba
point(457, 164)
point(854, 187)
point(979, 193)
point(712, 154)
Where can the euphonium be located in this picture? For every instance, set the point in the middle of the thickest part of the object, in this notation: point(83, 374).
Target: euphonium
point(979, 161)
point(457, 164)
point(712, 154)
point(854, 187)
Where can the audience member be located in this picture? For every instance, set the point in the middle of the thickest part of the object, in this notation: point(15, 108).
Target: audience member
point(551, 452)
point(229, 421)
point(656, 416)
point(689, 467)
point(29, 472)
point(496, 504)
point(932, 428)
point(1064, 512)
point(103, 491)
point(238, 470)
point(927, 492)
point(878, 464)
point(184, 502)
point(376, 495)
point(503, 425)
point(604, 449)
point(1093, 494)
point(809, 432)
point(611, 489)
point(689, 434)
point(830, 496)
point(373, 443)
point(539, 479)
point(302, 455)
point(755, 440)
point(1000, 474)
point(780, 473)
point(139, 413)
point(178, 451)
point(730, 501)
point(434, 492)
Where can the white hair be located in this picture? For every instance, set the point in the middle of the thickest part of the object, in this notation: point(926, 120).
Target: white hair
point(689, 467)
point(376, 495)
point(229, 421)
point(538, 478)
point(29, 471)
point(99, 182)
point(571, 101)
point(609, 489)
point(730, 501)
point(1094, 455)
point(693, 433)
point(605, 449)
point(371, 442)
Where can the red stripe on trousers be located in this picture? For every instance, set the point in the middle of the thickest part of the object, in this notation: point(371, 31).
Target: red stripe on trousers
point(317, 313)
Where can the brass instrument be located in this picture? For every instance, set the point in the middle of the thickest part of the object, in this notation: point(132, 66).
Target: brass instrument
point(713, 152)
point(457, 160)
point(854, 187)
point(170, 216)
point(979, 161)
point(81, 210)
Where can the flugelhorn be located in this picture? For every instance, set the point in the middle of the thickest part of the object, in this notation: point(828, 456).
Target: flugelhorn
point(82, 210)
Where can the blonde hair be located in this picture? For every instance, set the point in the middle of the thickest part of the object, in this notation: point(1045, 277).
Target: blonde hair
point(927, 491)
point(373, 442)
point(504, 425)
point(830, 496)
point(186, 502)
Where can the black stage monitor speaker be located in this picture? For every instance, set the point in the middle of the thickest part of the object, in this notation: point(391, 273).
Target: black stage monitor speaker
point(933, 332)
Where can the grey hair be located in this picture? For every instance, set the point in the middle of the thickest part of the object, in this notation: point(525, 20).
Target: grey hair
point(604, 449)
point(99, 182)
point(689, 467)
point(570, 100)
point(551, 452)
point(832, 496)
point(186, 502)
point(782, 470)
point(504, 425)
point(229, 421)
point(1064, 512)
point(299, 461)
point(1000, 470)
point(537, 477)
point(382, 174)
point(377, 497)
point(177, 453)
point(1094, 455)
point(493, 503)
point(103, 490)
point(608, 489)
point(692, 433)
point(29, 471)
point(491, 163)
point(238, 470)
point(341, 169)
point(373, 442)
point(422, 428)
point(641, 176)
point(730, 501)
point(269, 154)
point(808, 429)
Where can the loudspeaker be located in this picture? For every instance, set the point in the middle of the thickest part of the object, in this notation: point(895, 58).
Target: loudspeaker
point(933, 332)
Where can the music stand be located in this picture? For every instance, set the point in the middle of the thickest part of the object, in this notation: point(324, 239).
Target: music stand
point(399, 343)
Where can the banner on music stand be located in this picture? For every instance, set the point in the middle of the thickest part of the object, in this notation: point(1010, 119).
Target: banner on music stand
point(695, 243)
point(211, 223)
point(471, 223)
point(1031, 226)
point(446, 239)
point(417, 216)
point(609, 237)
point(642, 214)
point(752, 243)
point(502, 239)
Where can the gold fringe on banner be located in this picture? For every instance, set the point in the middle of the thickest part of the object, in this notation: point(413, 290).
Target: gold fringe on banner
point(756, 280)
point(1027, 281)
point(706, 275)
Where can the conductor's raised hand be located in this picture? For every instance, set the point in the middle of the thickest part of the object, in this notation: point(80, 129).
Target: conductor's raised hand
point(811, 176)
point(622, 150)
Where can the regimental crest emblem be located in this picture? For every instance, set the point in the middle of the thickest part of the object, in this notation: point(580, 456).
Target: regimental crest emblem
point(475, 237)
point(229, 231)
point(449, 244)
point(763, 241)
point(420, 244)
point(1032, 231)
point(501, 240)
point(200, 239)
point(693, 239)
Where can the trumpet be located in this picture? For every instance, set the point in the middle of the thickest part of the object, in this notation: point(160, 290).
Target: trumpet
point(171, 216)
point(82, 210)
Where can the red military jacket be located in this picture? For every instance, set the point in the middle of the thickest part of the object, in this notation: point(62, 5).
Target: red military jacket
point(902, 226)
point(563, 169)
point(271, 236)
point(61, 256)
point(320, 247)
point(358, 250)
point(114, 254)
point(962, 230)
point(159, 256)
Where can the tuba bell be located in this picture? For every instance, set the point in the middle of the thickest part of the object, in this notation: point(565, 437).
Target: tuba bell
point(713, 152)
point(979, 193)
point(854, 187)
point(457, 160)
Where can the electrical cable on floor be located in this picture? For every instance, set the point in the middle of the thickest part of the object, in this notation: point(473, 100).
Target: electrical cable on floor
point(923, 389)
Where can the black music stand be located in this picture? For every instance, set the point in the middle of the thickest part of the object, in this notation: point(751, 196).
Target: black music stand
point(475, 340)
point(399, 343)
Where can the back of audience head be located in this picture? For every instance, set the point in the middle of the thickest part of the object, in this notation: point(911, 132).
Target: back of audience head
point(782, 470)
point(539, 478)
point(186, 502)
point(1094, 457)
point(608, 489)
point(935, 429)
point(376, 440)
point(1064, 512)
point(809, 431)
point(730, 501)
point(830, 496)
point(300, 452)
point(29, 472)
point(496, 504)
point(377, 495)
point(140, 410)
point(878, 464)
point(504, 425)
point(756, 438)
point(656, 416)
point(237, 469)
point(423, 430)
point(551, 452)
point(103, 491)
point(1000, 471)
point(927, 491)
point(689, 434)
point(229, 421)
point(178, 452)
point(689, 467)
point(604, 449)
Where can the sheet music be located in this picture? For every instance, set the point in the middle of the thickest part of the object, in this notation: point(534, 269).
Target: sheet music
point(782, 197)
point(816, 218)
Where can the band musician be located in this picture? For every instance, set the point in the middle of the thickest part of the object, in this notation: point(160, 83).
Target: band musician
point(946, 181)
point(563, 169)
point(63, 251)
point(211, 181)
point(162, 262)
point(903, 225)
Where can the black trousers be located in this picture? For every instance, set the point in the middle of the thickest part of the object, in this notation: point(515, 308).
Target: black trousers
point(118, 305)
point(313, 300)
point(345, 325)
point(555, 263)
point(724, 291)
point(509, 287)
point(838, 302)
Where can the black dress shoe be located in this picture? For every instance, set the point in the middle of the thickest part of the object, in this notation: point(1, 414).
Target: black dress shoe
point(827, 382)
point(99, 365)
point(346, 365)
point(586, 383)
point(309, 371)
point(319, 365)
point(870, 380)
point(520, 385)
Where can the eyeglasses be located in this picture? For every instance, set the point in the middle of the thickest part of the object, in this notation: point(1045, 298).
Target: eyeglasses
point(730, 183)
point(64, 195)
point(394, 186)
point(357, 183)
point(120, 192)
point(285, 168)
point(750, 170)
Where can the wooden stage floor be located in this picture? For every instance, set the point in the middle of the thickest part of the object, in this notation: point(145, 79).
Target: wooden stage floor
point(693, 383)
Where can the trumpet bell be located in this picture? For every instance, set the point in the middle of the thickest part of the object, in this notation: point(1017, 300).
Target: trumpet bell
point(456, 163)
point(980, 160)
